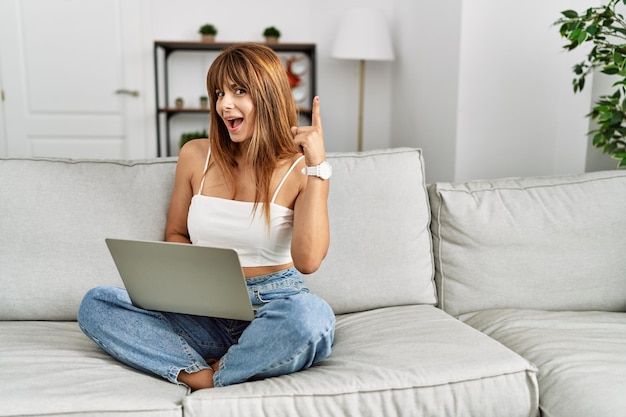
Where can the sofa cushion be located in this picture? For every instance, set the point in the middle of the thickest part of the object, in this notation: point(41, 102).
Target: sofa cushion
point(396, 361)
point(55, 215)
point(554, 243)
point(79, 378)
point(581, 356)
point(380, 252)
point(411, 360)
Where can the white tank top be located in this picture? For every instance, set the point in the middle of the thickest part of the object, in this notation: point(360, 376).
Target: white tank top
point(223, 223)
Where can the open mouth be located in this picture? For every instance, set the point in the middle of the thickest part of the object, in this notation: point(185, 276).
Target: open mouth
point(234, 123)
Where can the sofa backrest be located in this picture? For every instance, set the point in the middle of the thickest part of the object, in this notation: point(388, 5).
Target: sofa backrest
point(380, 252)
point(554, 243)
point(55, 215)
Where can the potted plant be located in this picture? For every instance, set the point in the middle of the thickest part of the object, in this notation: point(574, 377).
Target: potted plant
point(271, 34)
point(179, 102)
point(204, 102)
point(187, 136)
point(208, 32)
point(605, 29)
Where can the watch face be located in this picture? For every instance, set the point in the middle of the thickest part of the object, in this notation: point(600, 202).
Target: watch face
point(326, 170)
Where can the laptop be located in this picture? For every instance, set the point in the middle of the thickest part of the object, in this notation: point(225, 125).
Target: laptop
point(182, 278)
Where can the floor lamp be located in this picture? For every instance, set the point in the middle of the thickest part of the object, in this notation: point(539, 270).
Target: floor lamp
point(363, 35)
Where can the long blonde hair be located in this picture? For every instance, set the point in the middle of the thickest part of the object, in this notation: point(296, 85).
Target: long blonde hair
point(257, 69)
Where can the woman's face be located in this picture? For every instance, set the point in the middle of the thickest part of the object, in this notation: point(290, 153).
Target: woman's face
point(236, 108)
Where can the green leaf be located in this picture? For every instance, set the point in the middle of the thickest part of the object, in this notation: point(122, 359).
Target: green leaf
point(582, 37)
point(574, 35)
point(607, 101)
point(620, 30)
point(578, 69)
point(598, 140)
point(610, 69)
point(570, 14)
point(617, 118)
point(604, 116)
point(578, 86)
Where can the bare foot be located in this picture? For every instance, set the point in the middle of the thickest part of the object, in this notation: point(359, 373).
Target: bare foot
point(197, 380)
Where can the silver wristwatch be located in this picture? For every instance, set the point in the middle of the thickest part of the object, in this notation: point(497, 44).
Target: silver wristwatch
point(323, 170)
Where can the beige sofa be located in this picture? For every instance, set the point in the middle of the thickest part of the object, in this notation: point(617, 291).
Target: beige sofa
point(491, 298)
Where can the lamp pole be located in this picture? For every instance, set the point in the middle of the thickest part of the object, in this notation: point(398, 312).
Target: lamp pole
point(361, 101)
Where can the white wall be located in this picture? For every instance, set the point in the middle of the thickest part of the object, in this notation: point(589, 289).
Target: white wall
point(425, 81)
point(484, 87)
point(517, 114)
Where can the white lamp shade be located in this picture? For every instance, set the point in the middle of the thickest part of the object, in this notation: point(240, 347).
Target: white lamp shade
point(363, 34)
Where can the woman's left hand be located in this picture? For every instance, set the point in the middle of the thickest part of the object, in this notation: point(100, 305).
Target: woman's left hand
point(311, 138)
point(311, 231)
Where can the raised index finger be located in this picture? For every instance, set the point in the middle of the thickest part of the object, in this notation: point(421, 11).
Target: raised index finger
point(316, 120)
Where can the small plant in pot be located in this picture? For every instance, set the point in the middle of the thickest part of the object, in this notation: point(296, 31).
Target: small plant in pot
point(204, 102)
point(271, 34)
point(208, 32)
point(604, 29)
point(187, 136)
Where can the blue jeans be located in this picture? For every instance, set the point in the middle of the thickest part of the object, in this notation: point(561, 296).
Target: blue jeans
point(293, 330)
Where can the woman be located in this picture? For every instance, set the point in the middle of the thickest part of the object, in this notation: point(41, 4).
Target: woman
point(259, 185)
